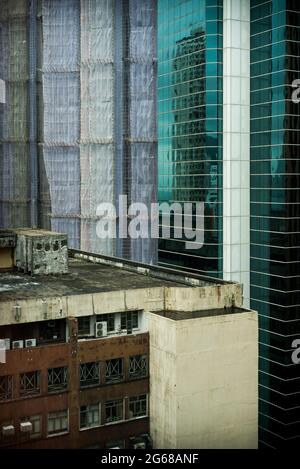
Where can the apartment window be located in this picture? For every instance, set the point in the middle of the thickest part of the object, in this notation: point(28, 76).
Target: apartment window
point(57, 379)
point(114, 370)
point(51, 331)
point(84, 326)
point(114, 411)
point(109, 319)
point(5, 387)
point(30, 383)
point(89, 374)
point(57, 422)
point(89, 416)
point(138, 366)
point(129, 320)
point(36, 421)
point(138, 406)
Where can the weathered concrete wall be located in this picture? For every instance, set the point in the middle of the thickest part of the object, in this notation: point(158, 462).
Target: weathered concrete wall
point(148, 299)
point(162, 367)
point(204, 381)
point(39, 309)
point(41, 253)
point(202, 298)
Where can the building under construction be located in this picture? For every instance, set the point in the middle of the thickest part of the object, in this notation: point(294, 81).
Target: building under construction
point(78, 126)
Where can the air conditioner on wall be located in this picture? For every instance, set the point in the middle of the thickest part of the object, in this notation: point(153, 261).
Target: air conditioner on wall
point(101, 329)
point(30, 343)
point(140, 445)
point(18, 344)
point(8, 430)
point(26, 427)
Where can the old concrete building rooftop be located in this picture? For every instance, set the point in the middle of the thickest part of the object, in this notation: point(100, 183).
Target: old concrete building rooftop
point(83, 277)
point(185, 315)
point(95, 284)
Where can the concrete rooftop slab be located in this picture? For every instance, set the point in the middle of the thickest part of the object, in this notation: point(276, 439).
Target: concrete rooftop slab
point(84, 277)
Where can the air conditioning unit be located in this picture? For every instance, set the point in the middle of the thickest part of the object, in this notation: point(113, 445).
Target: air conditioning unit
point(8, 430)
point(7, 344)
point(30, 343)
point(101, 329)
point(26, 427)
point(18, 344)
point(140, 445)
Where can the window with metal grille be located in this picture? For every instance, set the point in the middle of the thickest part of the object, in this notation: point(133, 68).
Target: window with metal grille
point(130, 320)
point(84, 327)
point(30, 383)
point(57, 379)
point(109, 319)
point(89, 374)
point(89, 416)
point(114, 411)
point(58, 422)
point(5, 387)
point(138, 406)
point(114, 370)
point(138, 366)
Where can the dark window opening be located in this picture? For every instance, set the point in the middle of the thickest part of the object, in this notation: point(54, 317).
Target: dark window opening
point(89, 374)
point(129, 320)
point(57, 379)
point(114, 370)
point(30, 383)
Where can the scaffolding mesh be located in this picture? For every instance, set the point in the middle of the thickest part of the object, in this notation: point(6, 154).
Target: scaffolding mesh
point(142, 117)
point(14, 155)
point(84, 157)
point(97, 118)
point(60, 116)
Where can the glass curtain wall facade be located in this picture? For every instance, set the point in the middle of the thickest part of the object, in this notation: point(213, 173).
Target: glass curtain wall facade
point(275, 214)
point(190, 124)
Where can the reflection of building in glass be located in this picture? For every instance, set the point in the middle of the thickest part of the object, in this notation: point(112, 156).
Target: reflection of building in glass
point(188, 119)
point(275, 215)
point(190, 124)
point(245, 67)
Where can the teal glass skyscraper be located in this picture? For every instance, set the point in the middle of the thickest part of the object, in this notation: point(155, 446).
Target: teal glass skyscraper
point(229, 136)
point(190, 123)
point(275, 214)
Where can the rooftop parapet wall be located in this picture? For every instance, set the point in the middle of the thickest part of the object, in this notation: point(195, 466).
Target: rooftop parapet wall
point(107, 286)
